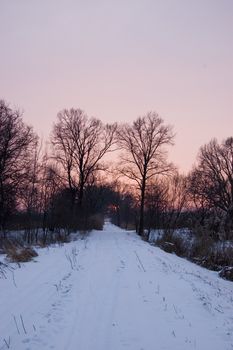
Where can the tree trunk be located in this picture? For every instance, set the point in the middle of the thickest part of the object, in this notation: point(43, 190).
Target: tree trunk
point(141, 214)
point(73, 220)
point(80, 195)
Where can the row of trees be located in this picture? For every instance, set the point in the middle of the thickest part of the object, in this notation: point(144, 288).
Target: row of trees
point(201, 201)
point(71, 186)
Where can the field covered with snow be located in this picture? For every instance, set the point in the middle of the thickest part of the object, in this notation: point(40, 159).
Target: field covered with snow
point(113, 291)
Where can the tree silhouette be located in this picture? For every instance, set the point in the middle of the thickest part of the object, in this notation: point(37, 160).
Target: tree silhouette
point(144, 156)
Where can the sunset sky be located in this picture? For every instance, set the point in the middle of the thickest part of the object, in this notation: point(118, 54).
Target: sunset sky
point(120, 59)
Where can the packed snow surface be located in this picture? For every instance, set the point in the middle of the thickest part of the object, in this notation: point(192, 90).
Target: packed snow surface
point(113, 291)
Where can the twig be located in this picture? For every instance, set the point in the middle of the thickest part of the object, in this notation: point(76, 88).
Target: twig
point(16, 324)
point(7, 343)
point(23, 324)
point(58, 286)
point(175, 309)
point(70, 260)
point(140, 261)
point(13, 277)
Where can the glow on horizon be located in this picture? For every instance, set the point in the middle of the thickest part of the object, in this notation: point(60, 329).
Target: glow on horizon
point(120, 59)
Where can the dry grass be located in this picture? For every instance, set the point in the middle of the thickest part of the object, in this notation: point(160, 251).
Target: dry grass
point(203, 251)
point(21, 255)
point(227, 273)
point(172, 244)
point(96, 222)
point(15, 252)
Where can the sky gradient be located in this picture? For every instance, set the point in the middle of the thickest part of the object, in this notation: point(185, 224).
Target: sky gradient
point(120, 59)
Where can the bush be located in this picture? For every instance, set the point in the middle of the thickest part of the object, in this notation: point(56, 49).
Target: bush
point(201, 249)
point(15, 252)
point(227, 273)
point(21, 255)
point(171, 243)
point(207, 253)
point(96, 222)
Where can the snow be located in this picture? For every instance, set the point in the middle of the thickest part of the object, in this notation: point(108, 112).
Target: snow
point(113, 291)
point(188, 238)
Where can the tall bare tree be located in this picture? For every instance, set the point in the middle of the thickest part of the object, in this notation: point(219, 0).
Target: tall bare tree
point(144, 156)
point(211, 181)
point(17, 141)
point(80, 144)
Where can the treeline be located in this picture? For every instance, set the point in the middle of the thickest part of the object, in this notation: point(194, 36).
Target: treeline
point(70, 186)
point(201, 201)
point(57, 190)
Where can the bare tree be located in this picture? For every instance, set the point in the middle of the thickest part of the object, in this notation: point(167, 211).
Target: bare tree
point(30, 192)
point(144, 155)
point(156, 203)
point(165, 201)
point(80, 144)
point(176, 200)
point(50, 184)
point(17, 141)
point(211, 181)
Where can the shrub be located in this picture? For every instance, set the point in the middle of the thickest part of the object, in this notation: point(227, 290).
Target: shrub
point(21, 254)
point(15, 252)
point(171, 243)
point(227, 273)
point(96, 222)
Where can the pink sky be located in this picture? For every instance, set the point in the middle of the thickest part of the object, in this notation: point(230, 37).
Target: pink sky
point(119, 59)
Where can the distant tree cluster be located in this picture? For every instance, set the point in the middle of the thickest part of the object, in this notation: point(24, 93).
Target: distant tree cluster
point(71, 186)
point(211, 188)
point(17, 145)
point(57, 190)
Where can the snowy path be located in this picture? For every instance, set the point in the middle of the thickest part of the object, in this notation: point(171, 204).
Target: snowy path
point(113, 291)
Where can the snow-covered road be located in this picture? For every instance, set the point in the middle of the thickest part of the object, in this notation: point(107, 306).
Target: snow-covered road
point(113, 291)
